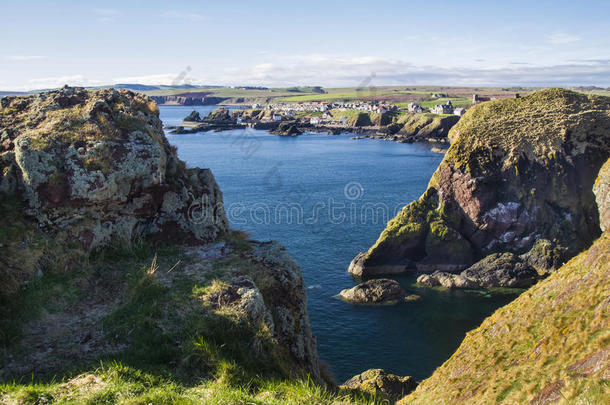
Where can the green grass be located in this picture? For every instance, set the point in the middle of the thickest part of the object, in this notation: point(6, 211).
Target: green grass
point(176, 345)
point(116, 383)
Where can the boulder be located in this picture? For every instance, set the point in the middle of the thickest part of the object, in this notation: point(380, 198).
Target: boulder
point(377, 291)
point(517, 179)
point(376, 383)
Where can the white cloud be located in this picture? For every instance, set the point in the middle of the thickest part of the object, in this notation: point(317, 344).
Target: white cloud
point(561, 38)
point(106, 15)
point(183, 16)
point(54, 82)
point(24, 57)
point(160, 78)
point(339, 71)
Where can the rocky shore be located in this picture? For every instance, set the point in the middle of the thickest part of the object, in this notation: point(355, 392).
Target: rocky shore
point(414, 128)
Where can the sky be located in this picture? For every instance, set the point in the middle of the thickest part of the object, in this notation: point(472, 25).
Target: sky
point(328, 43)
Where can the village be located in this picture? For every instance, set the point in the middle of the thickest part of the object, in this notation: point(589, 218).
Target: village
point(324, 113)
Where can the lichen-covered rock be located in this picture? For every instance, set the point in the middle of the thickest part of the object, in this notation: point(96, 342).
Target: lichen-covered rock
point(376, 291)
point(376, 383)
point(601, 188)
point(96, 166)
point(517, 178)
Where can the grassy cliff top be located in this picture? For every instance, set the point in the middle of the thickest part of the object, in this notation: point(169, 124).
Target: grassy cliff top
point(551, 342)
point(536, 127)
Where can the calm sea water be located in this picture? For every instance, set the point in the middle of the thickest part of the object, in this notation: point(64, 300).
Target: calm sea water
point(326, 198)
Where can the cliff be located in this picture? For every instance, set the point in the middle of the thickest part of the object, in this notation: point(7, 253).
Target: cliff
point(550, 345)
point(511, 197)
point(114, 253)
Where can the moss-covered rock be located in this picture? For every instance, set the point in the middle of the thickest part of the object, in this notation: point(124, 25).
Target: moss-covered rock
point(518, 171)
point(426, 127)
point(377, 384)
point(550, 345)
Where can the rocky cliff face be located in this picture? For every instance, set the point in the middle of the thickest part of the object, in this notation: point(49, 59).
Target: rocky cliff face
point(517, 179)
point(548, 346)
point(96, 166)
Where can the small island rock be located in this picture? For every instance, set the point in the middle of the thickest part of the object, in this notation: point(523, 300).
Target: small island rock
point(377, 291)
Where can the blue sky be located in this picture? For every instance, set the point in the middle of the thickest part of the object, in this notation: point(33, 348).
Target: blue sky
point(329, 43)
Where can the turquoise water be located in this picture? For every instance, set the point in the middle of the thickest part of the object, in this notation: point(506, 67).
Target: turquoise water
point(316, 194)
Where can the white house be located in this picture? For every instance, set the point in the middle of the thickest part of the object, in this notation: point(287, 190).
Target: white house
point(459, 111)
point(277, 117)
point(382, 110)
point(315, 121)
point(343, 120)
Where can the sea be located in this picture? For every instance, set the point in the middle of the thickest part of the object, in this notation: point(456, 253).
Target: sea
point(326, 198)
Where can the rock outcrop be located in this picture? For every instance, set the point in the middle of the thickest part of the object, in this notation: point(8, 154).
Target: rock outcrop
point(95, 166)
point(376, 383)
point(516, 179)
point(287, 129)
point(377, 291)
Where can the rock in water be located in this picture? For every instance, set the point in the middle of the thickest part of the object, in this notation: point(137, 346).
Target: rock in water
point(95, 166)
point(496, 270)
point(377, 291)
point(221, 114)
point(516, 179)
point(377, 383)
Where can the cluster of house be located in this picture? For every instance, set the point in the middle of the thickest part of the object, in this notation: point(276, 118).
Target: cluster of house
point(291, 109)
point(446, 108)
point(281, 111)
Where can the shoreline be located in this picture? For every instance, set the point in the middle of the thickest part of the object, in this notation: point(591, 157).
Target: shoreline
point(375, 132)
